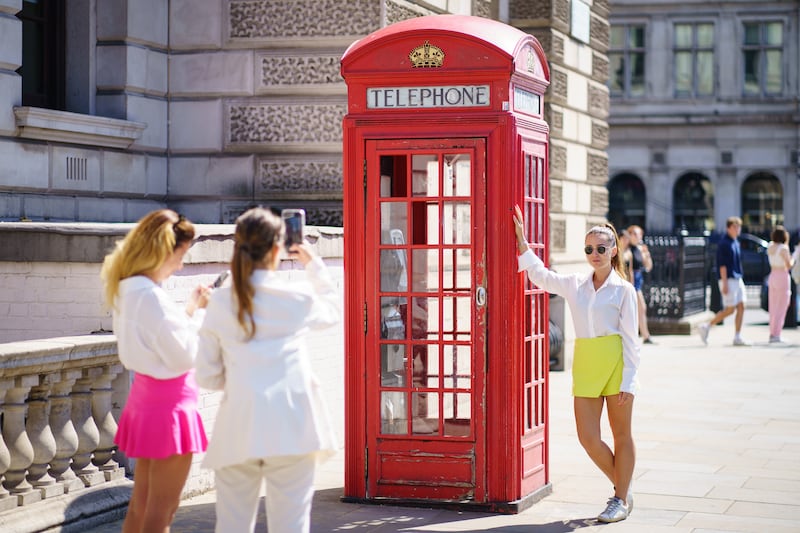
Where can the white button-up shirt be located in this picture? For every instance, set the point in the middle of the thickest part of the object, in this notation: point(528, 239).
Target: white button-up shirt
point(272, 403)
point(155, 336)
point(609, 310)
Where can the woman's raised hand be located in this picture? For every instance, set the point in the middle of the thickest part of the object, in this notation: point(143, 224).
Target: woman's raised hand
point(519, 229)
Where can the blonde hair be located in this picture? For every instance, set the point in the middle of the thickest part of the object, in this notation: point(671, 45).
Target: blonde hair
point(144, 249)
point(258, 231)
point(610, 233)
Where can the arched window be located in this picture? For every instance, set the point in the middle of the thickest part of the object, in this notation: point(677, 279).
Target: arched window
point(626, 201)
point(693, 203)
point(762, 203)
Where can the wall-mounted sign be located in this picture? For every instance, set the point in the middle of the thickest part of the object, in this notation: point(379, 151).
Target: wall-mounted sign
point(581, 21)
point(527, 102)
point(427, 97)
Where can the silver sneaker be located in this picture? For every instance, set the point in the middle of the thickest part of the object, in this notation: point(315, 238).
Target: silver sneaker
point(616, 511)
point(738, 341)
point(629, 502)
point(702, 330)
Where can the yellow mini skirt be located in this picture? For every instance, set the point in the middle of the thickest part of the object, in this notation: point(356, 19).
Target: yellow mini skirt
point(597, 366)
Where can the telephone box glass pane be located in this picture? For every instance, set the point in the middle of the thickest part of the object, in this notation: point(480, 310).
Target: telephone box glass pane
point(393, 365)
point(394, 277)
point(457, 367)
point(425, 181)
point(426, 371)
point(394, 419)
point(457, 414)
point(457, 269)
point(393, 323)
point(424, 318)
point(425, 270)
point(456, 314)
point(425, 409)
point(394, 220)
point(431, 224)
point(393, 176)
point(457, 175)
point(456, 222)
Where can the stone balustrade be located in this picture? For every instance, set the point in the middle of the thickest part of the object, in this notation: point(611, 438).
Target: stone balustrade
point(56, 400)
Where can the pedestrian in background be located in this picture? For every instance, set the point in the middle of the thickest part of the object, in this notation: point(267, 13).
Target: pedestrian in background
point(606, 357)
point(641, 262)
point(157, 340)
point(627, 256)
point(779, 282)
point(731, 282)
point(272, 424)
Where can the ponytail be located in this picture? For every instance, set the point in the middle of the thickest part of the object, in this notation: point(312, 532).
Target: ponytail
point(258, 230)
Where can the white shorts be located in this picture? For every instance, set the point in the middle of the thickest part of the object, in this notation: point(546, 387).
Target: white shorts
point(736, 293)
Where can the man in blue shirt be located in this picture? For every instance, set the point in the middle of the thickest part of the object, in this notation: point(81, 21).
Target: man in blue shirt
point(731, 284)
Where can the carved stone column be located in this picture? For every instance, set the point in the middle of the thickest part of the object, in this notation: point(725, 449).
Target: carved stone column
point(17, 441)
point(42, 440)
point(63, 431)
point(88, 434)
point(101, 410)
point(6, 501)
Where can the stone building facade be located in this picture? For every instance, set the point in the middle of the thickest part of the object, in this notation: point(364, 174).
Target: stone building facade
point(209, 106)
point(705, 122)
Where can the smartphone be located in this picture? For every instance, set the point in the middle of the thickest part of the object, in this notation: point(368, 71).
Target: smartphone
point(220, 279)
point(295, 220)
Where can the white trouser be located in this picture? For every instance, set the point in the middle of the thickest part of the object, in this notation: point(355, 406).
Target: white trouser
point(290, 489)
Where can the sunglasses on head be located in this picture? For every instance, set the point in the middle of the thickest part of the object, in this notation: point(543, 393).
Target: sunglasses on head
point(600, 249)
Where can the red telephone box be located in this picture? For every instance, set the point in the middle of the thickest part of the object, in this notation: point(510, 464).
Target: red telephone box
point(446, 344)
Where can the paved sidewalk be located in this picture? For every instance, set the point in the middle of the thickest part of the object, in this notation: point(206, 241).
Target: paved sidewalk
point(718, 436)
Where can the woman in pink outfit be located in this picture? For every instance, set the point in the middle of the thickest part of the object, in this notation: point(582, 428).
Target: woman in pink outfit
point(780, 290)
point(157, 340)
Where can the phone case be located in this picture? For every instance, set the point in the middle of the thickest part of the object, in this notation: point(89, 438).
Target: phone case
point(295, 220)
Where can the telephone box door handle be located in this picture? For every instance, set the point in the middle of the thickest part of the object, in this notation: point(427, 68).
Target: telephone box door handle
point(480, 297)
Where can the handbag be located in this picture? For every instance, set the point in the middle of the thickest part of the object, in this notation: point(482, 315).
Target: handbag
point(796, 266)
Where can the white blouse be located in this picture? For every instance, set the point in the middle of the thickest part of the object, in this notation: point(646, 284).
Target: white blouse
point(272, 404)
point(779, 256)
point(609, 310)
point(155, 335)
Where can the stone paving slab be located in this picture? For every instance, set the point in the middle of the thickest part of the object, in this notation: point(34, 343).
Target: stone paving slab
point(718, 437)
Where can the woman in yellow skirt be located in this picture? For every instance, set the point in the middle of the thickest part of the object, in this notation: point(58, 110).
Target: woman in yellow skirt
point(606, 359)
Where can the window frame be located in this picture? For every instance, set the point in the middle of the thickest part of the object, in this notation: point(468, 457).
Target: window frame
point(627, 51)
point(762, 47)
point(694, 49)
point(49, 56)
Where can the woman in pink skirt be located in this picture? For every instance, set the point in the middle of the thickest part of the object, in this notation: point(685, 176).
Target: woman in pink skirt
point(157, 340)
point(780, 290)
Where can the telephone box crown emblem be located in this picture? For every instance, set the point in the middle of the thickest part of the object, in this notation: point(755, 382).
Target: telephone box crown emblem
point(426, 55)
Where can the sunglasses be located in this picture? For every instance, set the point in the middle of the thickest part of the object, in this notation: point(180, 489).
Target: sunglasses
point(600, 249)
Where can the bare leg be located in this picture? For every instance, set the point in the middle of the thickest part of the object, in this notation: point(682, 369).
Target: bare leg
point(739, 317)
point(587, 423)
point(619, 418)
point(156, 495)
point(641, 305)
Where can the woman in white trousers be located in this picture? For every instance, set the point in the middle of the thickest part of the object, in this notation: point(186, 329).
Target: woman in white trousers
point(272, 425)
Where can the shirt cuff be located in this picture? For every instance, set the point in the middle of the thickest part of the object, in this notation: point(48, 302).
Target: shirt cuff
point(526, 260)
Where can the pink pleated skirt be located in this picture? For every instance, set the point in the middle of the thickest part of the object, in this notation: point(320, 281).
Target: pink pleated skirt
point(160, 418)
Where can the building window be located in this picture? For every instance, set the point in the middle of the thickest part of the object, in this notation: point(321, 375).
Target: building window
point(762, 203)
point(763, 58)
point(693, 204)
point(626, 60)
point(626, 201)
point(43, 45)
point(694, 60)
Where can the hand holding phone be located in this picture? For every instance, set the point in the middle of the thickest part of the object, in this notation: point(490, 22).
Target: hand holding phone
point(220, 279)
point(295, 221)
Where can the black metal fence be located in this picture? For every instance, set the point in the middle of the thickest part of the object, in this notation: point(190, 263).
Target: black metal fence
point(676, 286)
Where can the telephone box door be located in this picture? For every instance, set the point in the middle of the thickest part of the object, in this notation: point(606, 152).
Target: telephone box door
point(426, 314)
